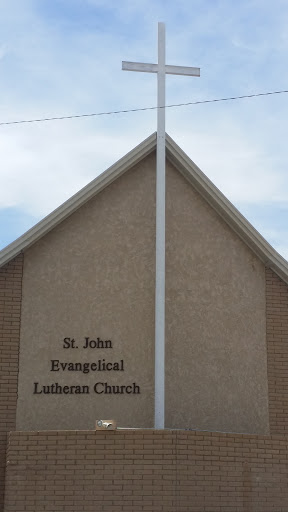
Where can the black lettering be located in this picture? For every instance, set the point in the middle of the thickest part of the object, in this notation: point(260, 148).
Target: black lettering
point(136, 389)
point(54, 365)
point(66, 343)
point(100, 343)
point(108, 389)
point(58, 388)
point(86, 368)
point(36, 392)
point(96, 388)
point(55, 388)
point(95, 344)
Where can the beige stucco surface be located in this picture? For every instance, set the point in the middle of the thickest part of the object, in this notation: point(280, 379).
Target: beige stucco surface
point(216, 362)
point(93, 276)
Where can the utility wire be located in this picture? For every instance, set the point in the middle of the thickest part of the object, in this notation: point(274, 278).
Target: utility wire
point(231, 98)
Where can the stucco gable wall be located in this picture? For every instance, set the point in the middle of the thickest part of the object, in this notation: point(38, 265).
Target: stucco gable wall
point(216, 326)
point(93, 276)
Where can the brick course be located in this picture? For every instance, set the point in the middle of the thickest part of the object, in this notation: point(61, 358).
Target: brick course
point(146, 470)
point(10, 313)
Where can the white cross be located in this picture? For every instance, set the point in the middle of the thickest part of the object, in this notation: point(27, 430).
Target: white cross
point(161, 69)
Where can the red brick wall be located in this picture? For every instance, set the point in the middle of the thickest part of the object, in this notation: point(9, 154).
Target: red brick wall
point(277, 351)
point(10, 311)
point(146, 470)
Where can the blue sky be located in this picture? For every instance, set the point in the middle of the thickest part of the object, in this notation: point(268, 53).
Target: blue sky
point(62, 57)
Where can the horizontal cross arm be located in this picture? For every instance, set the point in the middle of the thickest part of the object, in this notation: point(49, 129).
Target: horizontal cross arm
point(139, 66)
point(153, 68)
point(182, 70)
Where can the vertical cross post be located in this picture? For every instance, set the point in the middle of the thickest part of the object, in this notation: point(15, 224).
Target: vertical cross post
point(159, 406)
point(161, 69)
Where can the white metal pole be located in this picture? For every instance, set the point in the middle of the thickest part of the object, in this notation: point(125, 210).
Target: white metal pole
point(160, 239)
point(161, 69)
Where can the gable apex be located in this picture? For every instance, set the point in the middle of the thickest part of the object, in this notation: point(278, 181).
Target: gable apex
point(252, 238)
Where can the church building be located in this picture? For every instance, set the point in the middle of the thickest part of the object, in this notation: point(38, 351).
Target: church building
point(77, 335)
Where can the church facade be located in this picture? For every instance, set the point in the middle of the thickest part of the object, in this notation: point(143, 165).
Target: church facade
point(77, 344)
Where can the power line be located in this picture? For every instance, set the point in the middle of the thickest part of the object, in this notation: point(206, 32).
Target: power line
point(215, 100)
